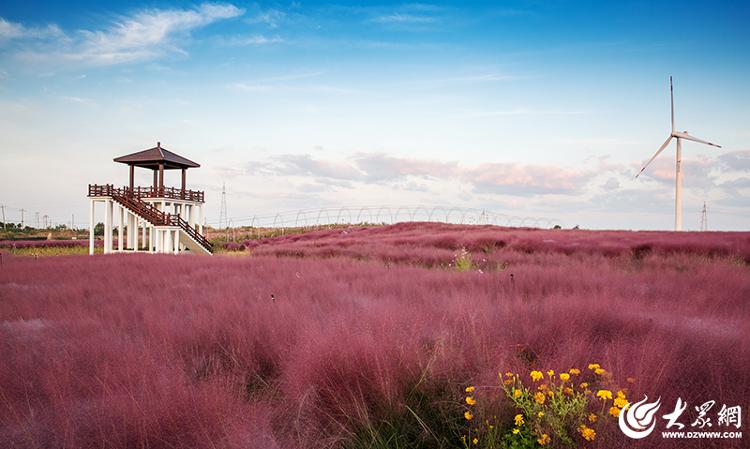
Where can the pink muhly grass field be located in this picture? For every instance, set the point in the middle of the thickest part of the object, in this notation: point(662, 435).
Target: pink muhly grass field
point(325, 339)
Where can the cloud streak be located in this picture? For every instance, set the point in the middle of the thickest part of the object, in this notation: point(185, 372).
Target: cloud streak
point(514, 179)
point(144, 35)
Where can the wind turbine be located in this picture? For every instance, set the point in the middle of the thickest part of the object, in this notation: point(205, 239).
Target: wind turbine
point(678, 167)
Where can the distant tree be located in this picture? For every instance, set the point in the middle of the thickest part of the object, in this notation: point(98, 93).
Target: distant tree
point(99, 229)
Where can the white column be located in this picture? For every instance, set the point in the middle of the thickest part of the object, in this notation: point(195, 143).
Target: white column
point(166, 240)
point(136, 234)
point(108, 215)
point(157, 246)
point(143, 236)
point(177, 241)
point(132, 235)
point(121, 229)
point(201, 219)
point(92, 224)
point(151, 239)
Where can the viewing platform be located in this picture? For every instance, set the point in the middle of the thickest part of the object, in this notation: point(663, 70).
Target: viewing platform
point(167, 219)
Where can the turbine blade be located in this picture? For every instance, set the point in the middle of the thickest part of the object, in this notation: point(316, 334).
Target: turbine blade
point(671, 99)
point(687, 136)
point(661, 148)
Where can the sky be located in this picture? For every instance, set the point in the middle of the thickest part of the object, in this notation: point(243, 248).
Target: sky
point(526, 108)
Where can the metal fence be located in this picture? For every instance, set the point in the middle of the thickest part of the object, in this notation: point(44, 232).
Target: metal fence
point(385, 215)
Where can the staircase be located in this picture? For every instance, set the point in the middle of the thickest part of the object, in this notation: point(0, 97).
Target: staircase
point(193, 240)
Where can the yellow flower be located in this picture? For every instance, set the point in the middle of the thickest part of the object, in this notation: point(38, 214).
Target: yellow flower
point(544, 439)
point(604, 394)
point(508, 374)
point(470, 400)
point(540, 414)
point(599, 371)
point(475, 440)
point(592, 417)
point(584, 385)
point(551, 373)
point(539, 398)
point(568, 391)
point(587, 432)
point(468, 415)
point(614, 411)
point(519, 419)
point(594, 366)
point(516, 393)
point(575, 371)
point(536, 375)
point(508, 381)
point(542, 387)
point(550, 393)
point(564, 377)
point(470, 389)
point(621, 394)
point(516, 431)
point(620, 401)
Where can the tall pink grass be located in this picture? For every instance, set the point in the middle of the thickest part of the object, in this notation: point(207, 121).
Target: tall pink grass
point(311, 351)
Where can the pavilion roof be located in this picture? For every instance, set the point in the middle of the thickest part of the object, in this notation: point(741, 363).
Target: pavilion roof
point(152, 157)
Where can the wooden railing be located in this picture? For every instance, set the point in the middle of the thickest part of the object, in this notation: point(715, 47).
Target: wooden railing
point(176, 220)
point(150, 192)
point(147, 211)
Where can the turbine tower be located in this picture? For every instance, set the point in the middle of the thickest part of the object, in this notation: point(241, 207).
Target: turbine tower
point(678, 166)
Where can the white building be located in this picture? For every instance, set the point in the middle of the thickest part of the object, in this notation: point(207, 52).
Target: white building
point(155, 219)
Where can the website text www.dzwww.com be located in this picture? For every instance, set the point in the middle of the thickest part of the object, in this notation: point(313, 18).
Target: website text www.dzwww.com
point(701, 434)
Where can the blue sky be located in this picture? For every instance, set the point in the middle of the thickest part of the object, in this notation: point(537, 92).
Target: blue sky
point(543, 108)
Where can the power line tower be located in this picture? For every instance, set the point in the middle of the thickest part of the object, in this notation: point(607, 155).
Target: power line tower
point(704, 218)
point(22, 221)
point(36, 218)
point(5, 225)
point(223, 212)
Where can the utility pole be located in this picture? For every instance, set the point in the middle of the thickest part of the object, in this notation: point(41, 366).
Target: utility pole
point(22, 222)
point(704, 218)
point(36, 218)
point(5, 225)
point(45, 217)
point(223, 211)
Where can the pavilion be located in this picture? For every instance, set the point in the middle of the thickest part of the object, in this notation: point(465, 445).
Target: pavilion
point(167, 219)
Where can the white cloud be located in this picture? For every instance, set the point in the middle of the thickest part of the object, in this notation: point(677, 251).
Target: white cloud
point(513, 179)
point(144, 35)
point(270, 18)
point(12, 30)
point(399, 18)
point(257, 39)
